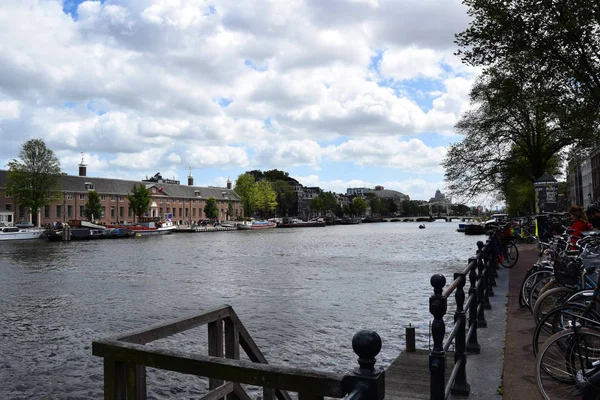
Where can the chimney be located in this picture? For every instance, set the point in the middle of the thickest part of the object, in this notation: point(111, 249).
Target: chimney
point(190, 178)
point(228, 183)
point(82, 167)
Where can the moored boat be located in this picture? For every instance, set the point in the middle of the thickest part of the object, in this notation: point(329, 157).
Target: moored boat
point(247, 226)
point(15, 233)
point(298, 223)
point(422, 226)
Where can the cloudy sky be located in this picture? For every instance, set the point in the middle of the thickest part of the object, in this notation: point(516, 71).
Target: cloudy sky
point(339, 93)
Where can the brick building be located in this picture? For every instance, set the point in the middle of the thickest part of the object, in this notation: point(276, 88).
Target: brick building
point(169, 198)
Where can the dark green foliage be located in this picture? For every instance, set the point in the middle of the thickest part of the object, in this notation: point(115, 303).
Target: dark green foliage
point(139, 200)
point(210, 208)
point(34, 180)
point(93, 207)
point(230, 210)
point(245, 187)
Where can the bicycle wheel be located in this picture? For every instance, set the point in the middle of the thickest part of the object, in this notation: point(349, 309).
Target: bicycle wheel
point(510, 255)
point(564, 362)
point(528, 284)
point(550, 299)
point(536, 291)
point(556, 320)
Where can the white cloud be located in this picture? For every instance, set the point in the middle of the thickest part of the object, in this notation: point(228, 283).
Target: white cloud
point(140, 85)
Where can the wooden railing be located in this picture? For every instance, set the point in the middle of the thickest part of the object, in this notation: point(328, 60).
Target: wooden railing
point(481, 273)
point(126, 359)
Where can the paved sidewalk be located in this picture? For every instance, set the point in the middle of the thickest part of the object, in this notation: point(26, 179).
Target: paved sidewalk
point(519, 362)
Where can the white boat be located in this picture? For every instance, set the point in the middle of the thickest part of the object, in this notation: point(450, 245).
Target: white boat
point(14, 233)
point(162, 228)
point(246, 226)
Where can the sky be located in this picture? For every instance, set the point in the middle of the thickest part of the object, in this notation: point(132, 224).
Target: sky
point(340, 94)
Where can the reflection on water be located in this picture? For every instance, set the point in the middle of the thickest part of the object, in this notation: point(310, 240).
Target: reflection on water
point(302, 293)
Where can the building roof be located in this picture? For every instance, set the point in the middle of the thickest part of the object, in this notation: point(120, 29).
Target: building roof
point(108, 186)
point(388, 194)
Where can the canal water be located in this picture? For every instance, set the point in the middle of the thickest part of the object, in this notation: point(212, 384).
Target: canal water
point(301, 293)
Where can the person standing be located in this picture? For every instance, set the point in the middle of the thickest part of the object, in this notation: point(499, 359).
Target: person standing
point(580, 222)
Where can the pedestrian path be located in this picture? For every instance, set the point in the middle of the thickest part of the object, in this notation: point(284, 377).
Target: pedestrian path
point(519, 362)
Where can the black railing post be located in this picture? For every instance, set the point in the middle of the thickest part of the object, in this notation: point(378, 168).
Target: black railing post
point(487, 268)
point(481, 283)
point(460, 387)
point(472, 343)
point(494, 257)
point(365, 381)
point(437, 356)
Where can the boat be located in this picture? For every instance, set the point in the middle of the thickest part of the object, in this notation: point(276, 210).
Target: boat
point(461, 227)
point(475, 228)
point(147, 226)
point(350, 221)
point(15, 233)
point(422, 226)
point(298, 223)
point(253, 225)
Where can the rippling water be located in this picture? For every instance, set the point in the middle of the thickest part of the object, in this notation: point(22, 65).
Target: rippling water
point(302, 294)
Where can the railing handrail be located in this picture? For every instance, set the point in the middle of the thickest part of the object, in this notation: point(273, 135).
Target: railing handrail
point(126, 358)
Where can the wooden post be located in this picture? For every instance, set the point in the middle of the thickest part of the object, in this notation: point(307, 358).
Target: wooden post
point(437, 356)
point(232, 347)
point(460, 387)
point(215, 347)
point(136, 382)
point(114, 380)
point(472, 344)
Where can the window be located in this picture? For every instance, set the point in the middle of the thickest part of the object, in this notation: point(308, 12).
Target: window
point(160, 201)
point(113, 198)
point(89, 186)
point(46, 211)
point(121, 198)
point(168, 210)
point(160, 211)
point(187, 212)
point(180, 212)
point(59, 212)
point(121, 212)
point(129, 212)
point(69, 196)
point(70, 211)
point(193, 212)
point(81, 196)
point(112, 212)
point(8, 207)
point(103, 211)
point(7, 196)
point(103, 197)
point(81, 211)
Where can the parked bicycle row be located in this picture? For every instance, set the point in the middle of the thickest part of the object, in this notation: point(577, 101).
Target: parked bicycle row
point(561, 290)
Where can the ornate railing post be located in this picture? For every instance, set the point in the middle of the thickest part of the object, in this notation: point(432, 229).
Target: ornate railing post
point(472, 343)
point(365, 381)
point(461, 387)
point(493, 261)
point(486, 258)
point(437, 356)
point(481, 322)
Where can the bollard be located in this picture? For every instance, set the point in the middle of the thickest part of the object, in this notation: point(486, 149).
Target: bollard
point(410, 338)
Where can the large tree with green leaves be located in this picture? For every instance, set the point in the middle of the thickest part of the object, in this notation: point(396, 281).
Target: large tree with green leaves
point(245, 187)
point(93, 206)
point(558, 40)
point(316, 205)
point(230, 210)
point(210, 208)
point(266, 200)
point(516, 131)
point(139, 200)
point(34, 179)
point(359, 206)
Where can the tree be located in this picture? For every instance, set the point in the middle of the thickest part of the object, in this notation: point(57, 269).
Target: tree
point(392, 208)
point(34, 180)
point(317, 205)
point(329, 202)
point(266, 200)
point(359, 206)
point(376, 205)
point(139, 200)
point(287, 202)
point(93, 207)
point(229, 210)
point(210, 208)
point(245, 187)
point(517, 131)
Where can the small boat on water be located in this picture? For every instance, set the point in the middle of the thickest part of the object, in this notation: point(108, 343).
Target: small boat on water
point(248, 226)
point(422, 226)
point(15, 233)
point(298, 223)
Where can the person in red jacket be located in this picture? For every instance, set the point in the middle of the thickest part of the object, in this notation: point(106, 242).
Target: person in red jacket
point(580, 222)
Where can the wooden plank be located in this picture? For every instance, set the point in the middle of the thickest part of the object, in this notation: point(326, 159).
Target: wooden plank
point(219, 392)
point(268, 394)
point(240, 392)
point(232, 340)
point(162, 330)
point(278, 377)
point(215, 347)
point(308, 396)
point(246, 341)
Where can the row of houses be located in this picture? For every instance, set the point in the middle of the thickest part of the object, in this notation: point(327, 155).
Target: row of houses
point(583, 178)
point(183, 204)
